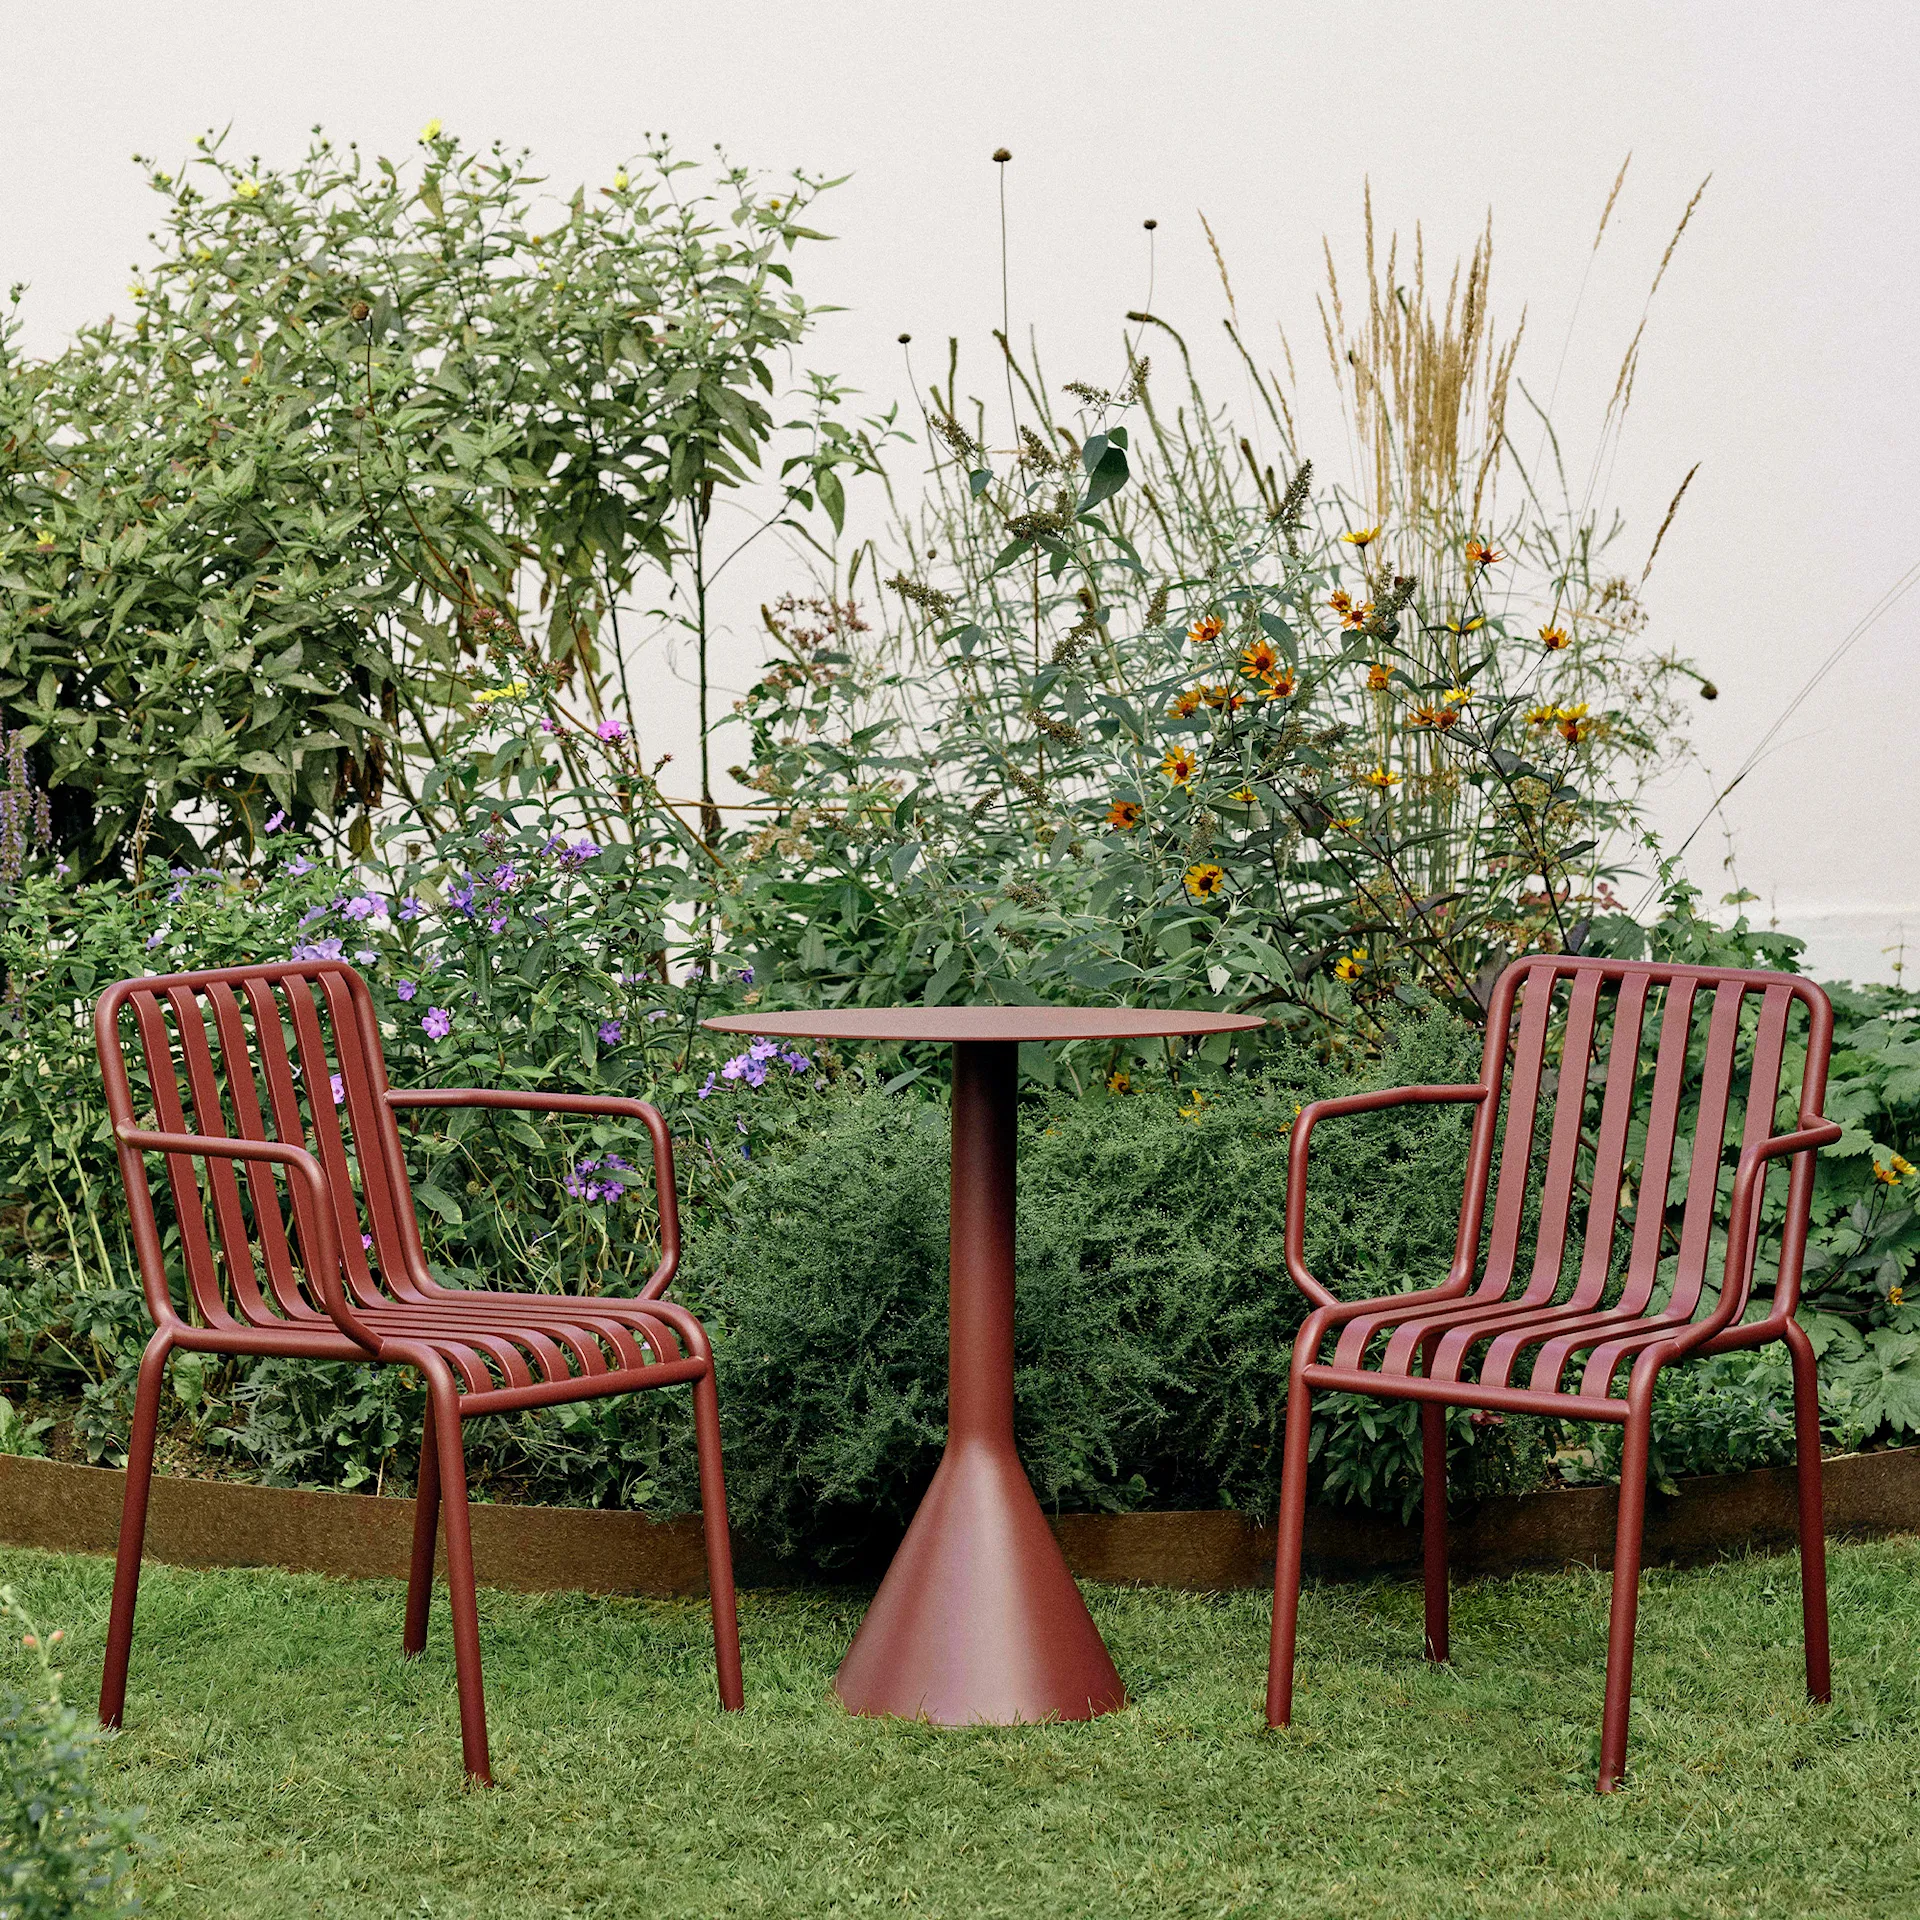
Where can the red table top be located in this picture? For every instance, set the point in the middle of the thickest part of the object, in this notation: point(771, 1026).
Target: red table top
point(985, 1023)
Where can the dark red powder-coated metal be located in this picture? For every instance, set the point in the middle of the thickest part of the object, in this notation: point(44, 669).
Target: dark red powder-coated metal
point(341, 1274)
point(978, 1619)
point(1463, 1343)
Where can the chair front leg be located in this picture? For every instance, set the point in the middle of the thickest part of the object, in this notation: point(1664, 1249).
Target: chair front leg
point(133, 1525)
point(1629, 1529)
point(1289, 1531)
point(713, 1517)
point(462, 1602)
point(426, 1527)
point(1433, 1523)
point(1813, 1519)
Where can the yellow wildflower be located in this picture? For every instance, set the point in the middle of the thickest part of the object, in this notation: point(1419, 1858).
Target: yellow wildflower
point(1119, 1081)
point(1439, 718)
point(1381, 779)
point(1362, 536)
point(1474, 625)
point(1204, 881)
point(620, 181)
point(431, 131)
point(1896, 1296)
point(1457, 696)
point(488, 695)
point(1902, 1167)
point(247, 189)
point(1242, 796)
point(1220, 698)
point(1124, 815)
point(1350, 966)
point(1279, 686)
point(1347, 825)
point(1180, 766)
point(1885, 1174)
point(1480, 554)
point(1341, 603)
point(1196, 1100)
point(1378, 677)
point(1185, 705)
point(1573, 723)
point(1204, 631)
point(1259, 659)
point(1356, 617)
point(1554, 638)
point(1543, 716)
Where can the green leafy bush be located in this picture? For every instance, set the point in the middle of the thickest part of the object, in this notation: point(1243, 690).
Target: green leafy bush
point(1153, 1317)
point(64, 1852)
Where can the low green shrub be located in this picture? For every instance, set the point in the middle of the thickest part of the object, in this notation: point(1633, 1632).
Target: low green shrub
point(63, 1851)
point(1154, 1316)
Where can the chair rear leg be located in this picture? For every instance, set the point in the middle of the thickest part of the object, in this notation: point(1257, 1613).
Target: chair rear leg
point(1289, 1529)
point(1813, 1521)
point(713, 1516)
point(426, 1526)
point(1629, 1528)
point(133, 1526)
point(1433, 1523)
point(461, 1600)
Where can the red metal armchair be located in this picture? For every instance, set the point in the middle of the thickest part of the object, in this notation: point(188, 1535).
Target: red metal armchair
point(283, 1076)
point(1557, 1342)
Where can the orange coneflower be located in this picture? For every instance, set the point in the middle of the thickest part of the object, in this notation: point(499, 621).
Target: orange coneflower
point(1204, 631)
point(1341, 603)
point(1379, 676)
point(1573, 723)
point(1242, 796)
point(1222, 697)
point(1258, 659)
point(1204, 881)
point(1124, 815)
point(1280, 685)
point(1554, 638)
point(1185, 705)
point(1439, 718)
point(1180, 766)
point(1480, 554)
point(1357, 617)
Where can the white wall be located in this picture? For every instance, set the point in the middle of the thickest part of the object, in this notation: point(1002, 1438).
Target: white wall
point(1779, 350)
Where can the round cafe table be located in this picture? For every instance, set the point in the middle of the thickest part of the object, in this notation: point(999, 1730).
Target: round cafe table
point(978, 1619)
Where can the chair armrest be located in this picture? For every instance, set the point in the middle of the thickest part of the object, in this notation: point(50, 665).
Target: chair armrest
point(1748, 1179)
point(607, 1106)
point(1304, 1123)
point(297, 1160)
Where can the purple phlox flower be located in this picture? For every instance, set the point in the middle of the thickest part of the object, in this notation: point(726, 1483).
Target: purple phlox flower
point(750, 1066)
point(496, 922)
point(366, 1243)
point(365, 957)
point(461, 898)
point(175, 895)
point(763, 1048)
point(795, 1062)
point(609, 1031)
point(707, 1089)
point(298, 865)
point(61, 868)
point(405, 989)
point(155, 939)
point(314, 913)
point(659, 1013)
point(506, 875)
point(580, 853)
point(553, 842)
point(696, 972)
point(746, 976)
point(178, 873)
point(547, 724)
point(579, 1180)
point(363, 906)
point(409, 909)
point(338, 1088)
point(611, 731)
point(438, 1023)
point(319, 950)
point(276, 820)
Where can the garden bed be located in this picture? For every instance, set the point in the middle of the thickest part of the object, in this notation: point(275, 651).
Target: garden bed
point(215, 1523)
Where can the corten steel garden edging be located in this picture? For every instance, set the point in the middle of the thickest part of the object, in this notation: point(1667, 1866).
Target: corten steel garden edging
point(224, 1523)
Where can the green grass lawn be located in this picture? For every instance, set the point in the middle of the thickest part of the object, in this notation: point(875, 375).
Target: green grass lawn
point(290, 1764)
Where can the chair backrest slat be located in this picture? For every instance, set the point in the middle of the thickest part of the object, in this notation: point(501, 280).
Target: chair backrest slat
point(1610, 1148)
point(1563, 1149)
point(1516, 1147)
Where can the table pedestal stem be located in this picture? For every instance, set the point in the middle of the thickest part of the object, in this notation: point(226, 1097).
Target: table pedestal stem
point(978, 1618)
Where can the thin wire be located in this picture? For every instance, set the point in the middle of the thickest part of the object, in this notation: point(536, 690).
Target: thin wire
point(1888, 600)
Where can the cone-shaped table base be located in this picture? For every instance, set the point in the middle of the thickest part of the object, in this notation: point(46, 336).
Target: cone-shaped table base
point(978, 1619)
